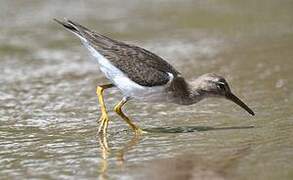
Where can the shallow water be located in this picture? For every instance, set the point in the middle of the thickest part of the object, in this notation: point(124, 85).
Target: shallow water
point(49, 109)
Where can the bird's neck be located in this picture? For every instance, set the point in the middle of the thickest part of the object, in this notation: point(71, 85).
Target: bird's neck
point(186, 93)
point(195, 94)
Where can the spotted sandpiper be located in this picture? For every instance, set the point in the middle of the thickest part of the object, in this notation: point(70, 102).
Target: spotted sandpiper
point(142, 75)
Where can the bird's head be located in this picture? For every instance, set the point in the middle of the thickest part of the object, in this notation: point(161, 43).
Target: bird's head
point(212, 85)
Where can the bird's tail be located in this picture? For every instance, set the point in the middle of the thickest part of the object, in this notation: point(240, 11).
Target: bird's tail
point(85, 34)
point(71, 26)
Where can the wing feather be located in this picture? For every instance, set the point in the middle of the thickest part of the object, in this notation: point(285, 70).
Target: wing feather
point(140, 65)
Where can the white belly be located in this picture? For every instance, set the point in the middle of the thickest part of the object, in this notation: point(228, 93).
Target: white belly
point(128, 87)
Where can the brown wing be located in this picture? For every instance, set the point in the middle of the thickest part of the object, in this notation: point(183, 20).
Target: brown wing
point(140, 65)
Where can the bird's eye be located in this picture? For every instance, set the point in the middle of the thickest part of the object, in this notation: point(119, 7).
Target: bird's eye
point(221, 86)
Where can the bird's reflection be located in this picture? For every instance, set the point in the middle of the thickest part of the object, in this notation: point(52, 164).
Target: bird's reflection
point(127, 147)
point(120, 154)
point(105, 151)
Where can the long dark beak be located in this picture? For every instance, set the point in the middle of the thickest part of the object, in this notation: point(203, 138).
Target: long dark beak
point(236, 100)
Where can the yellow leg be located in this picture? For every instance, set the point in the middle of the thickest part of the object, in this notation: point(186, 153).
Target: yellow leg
point(118, 110)
point(104, 119)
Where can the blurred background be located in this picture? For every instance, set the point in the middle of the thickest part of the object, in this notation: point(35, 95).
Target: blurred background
point(48, 106)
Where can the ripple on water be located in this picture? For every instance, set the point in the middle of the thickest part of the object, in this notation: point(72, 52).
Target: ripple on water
point(48, 107)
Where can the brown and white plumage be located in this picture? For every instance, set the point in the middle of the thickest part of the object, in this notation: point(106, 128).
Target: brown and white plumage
point(140, 65)
point(141, 74)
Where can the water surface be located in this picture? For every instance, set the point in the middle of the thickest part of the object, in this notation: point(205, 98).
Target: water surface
point(48, 107)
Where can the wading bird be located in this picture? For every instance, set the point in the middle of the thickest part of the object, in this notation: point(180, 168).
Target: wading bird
point(142, 75)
